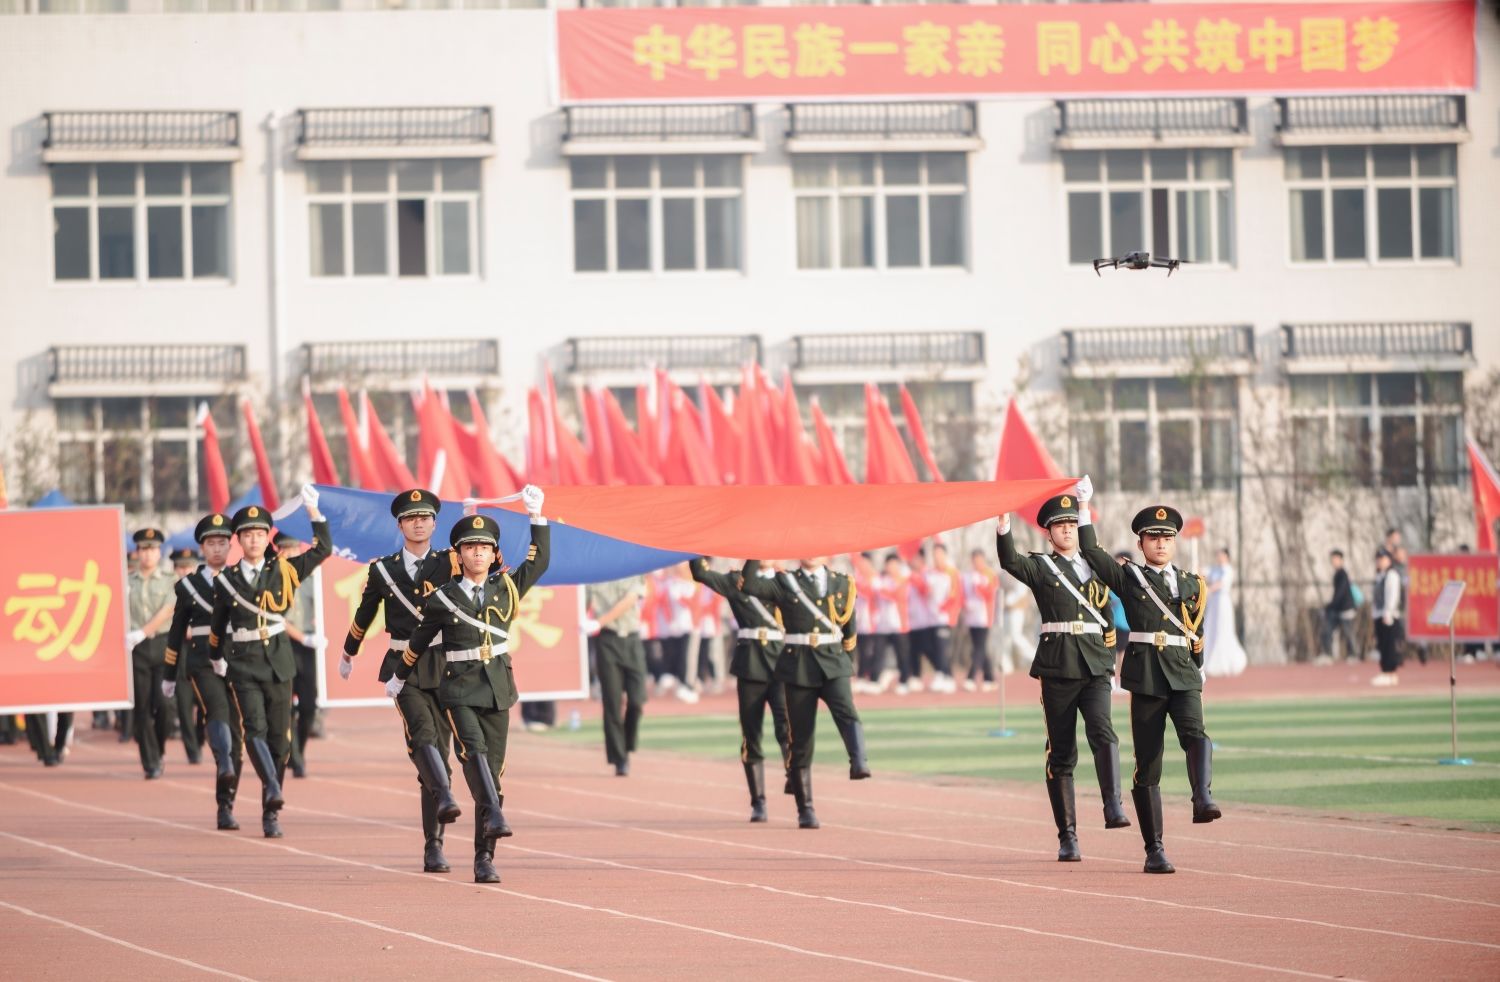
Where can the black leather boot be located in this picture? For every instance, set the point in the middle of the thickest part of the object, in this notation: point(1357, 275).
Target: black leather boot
point(434, 774)
point(755, 777)
point(1107, 765)
point(433, 860)
point(266, 770)
point(482, 786)
point(802, 788)
point(1200, 768)
point(1060, 793)
point(1148, 815)
point(270, 825)
point(854, 742)
point(484, 850)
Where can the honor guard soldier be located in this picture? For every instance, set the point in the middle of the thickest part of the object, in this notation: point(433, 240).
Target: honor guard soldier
point(188, 653)
point(249, 643)
point(817, 609)
point(149, 588)
point(620, 662)
point(1163, 662)
point(307, 644)
point(478, 687)
point(189, 721)
point(757, 648)
point(401, 582)
point(1075, 660)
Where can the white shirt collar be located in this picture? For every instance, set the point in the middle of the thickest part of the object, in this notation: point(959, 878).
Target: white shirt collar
point(251, 570)
point(411, 560)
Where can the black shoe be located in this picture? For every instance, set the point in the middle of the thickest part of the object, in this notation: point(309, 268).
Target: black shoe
point(1060, 794)
point(755, 779)
point(1107, 765)
point(433, 860)
point(270, 825)
point(484, 868)
point(194, 755)
point(155, 773)
point(622, 769)
point(802, 785)
point(434, 773)
point(1200, 769)
point(226, 820)
point(299, 769)
point(267, 771)
point(758, 810)
point(1148, 814)
point(482, 786)
point(854, 743)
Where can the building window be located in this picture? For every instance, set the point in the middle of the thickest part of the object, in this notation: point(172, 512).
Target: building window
point(1373, 204)
point(676, 213)
point(394, 217)
point(1404, 428)
point(144, 452)
point(881, 210)
point(1155, 434)
point(1176, 203)
point(140, 221)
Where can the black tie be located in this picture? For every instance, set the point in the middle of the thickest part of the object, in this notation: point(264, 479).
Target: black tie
point(478, 597)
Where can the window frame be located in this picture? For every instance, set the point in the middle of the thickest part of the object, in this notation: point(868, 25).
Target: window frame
point(1198, 415)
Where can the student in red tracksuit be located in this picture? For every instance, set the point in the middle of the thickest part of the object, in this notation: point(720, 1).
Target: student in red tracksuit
point(979, 585)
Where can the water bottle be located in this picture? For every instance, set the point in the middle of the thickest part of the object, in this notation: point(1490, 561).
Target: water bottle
point(574, 720)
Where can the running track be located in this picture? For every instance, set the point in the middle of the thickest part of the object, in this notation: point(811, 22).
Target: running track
point(659, 876)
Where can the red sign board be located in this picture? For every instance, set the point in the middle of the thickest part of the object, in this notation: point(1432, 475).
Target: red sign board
point(63, 623)
point(1478, 616)
point(958, 51)
point(548, 649)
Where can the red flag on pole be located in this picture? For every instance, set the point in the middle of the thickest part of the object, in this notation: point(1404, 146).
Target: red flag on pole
point(539, 467)
point(487, 467)
point(688, 460)
point(362, 469)
point(919, 433)
point(836, 468)
point(214, 473)
point(1021, 455)
point(759, 466)
point(317, 445)
point(572, 460)
point(726, 435)
point(390, 463)
point(600, 446)
point(268, 495)
point(886, 450)
point(798, 464)
point(444, 458)
point(1486, 498)
point(630, 459)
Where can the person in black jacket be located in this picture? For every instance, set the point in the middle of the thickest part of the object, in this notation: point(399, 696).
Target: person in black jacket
point(1340, 613)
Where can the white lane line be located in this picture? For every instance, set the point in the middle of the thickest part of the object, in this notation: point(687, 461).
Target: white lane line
point(428, 878)
point(209, 969)
point(1370, 758)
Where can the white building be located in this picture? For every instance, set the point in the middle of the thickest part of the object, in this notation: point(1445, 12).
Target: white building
point(197, 207)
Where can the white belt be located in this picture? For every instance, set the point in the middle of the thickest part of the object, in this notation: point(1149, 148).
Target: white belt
point(255, 634)
point(201, 631)
point(474, 654)
point(1160, 639)
point(814, 639)
point(761, 634)
point(400, 645)
point(1072, 627)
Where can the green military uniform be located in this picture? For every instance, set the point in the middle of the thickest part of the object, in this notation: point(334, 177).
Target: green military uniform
point(620, 663)
point(1161, 671)
point(400, 583)
point(249, 632)
point(148, 594)
point(302, 616)
point(757, 649)
point(188, 654)
point(815, 663)
point(1075, 660)
point(478, 685)
point(190, 723)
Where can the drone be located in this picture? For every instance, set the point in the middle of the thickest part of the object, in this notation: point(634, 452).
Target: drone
point(1138, 260)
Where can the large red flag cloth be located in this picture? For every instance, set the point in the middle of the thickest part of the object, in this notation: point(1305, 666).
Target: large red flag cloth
point(317, 445)
point(788, 521)
point(1486, 498)
point(214, 473)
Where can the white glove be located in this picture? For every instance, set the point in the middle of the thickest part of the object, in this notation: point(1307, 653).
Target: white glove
point(346, 666)
point(169, 688)
point(1084, 489)
point(133, 638)
point(532, 497)
point(1003, 528)
point(394, 686)
point(310, 497)
point(316, 642)
point(590, 626)
point(220, 667)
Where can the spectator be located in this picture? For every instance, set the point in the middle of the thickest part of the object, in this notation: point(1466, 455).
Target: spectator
point(891, 624)
point(980, 584)
point(1222, 652)
point(1340, 614)
point(1387, 613)
point(1399, 559)
point(930, 633)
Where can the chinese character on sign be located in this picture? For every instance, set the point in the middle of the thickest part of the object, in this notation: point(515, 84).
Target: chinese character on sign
point(980, 49)
point(1323, 44)
point(528, 621)
point(1059, 43)
point(926, 49)
point(1270, 43)
point(1166, 43)
point(1218, 43)
point(657, 49)
point(712, 49)
point(40, 595)
point(820, 50)
point(1375, 41)
point(766, 51)
point(1112, 51)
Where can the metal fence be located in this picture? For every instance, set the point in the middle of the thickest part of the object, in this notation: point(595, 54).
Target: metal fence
point(948, 348)
point(1152, 117)
point(147, 363)
point(402, 358)
point(709, 122)
point(596, 354)
point(1376, 340)
point(396, 126)
point(1373, 113)
point(892, 120)
point(143, 130)
point(1157, 344)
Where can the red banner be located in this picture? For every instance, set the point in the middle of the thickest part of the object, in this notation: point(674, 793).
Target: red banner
point(925, 52)
point(1478, 616)
point(62, 637)
point(548, 649)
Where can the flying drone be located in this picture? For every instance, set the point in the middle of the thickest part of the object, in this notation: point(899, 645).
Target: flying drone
point(1138, 260)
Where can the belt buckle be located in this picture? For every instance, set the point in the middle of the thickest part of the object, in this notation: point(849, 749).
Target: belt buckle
point(760, 635)
point(1160, 640)
point(1076, 627)
point(814, 639)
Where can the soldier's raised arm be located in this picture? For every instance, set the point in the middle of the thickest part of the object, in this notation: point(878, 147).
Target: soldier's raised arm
point(539, 554)
point(1011, 561)
point(1111, 573)
point(766, 588)
point(723, 584)
point(322, 542)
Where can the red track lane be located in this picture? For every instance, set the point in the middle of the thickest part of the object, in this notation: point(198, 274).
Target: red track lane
point(659, 876)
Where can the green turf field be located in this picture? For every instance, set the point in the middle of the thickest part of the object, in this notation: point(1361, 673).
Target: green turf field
point(1342, 756)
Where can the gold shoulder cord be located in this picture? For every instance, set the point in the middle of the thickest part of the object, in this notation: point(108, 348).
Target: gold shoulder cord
point(289, 583)
point(504, 615)
point(842, 617)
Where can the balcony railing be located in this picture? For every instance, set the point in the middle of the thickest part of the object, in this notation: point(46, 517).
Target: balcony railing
point(889, 120)
point(1154, 118)
point(635, 353)
point(659, 123)
point(1377, 341)
point(417, 126)
point(1370, 113)
point(156, 129)
point(144, 363)
point(943, 348)
point(403, 359)
point(1158, 345)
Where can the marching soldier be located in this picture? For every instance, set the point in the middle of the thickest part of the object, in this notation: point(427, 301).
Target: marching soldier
point(247, 638)
point(401, 582)
point(817, 608)
point(188, 653)
point(1163, 662)
point(478, 686)
point(150, 608)
point(620, 664)
point(1075, 661)
point(307, 644)
point(184, 561)
point(758, 646)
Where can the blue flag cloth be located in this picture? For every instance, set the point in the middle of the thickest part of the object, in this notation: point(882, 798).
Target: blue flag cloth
point(363, 529)
point(183, 538)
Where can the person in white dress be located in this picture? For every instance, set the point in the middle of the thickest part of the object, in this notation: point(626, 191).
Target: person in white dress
point(1222, 652)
